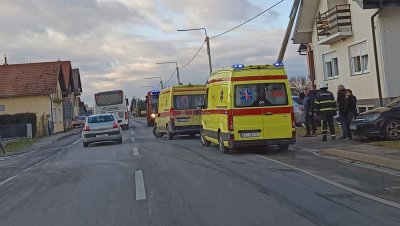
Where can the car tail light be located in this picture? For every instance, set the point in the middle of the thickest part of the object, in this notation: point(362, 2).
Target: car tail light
point(86, 128)
point(115, 125)
point(230, 121)
point(126, 115)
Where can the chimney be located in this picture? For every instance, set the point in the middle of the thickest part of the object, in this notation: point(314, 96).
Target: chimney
point(5, 60)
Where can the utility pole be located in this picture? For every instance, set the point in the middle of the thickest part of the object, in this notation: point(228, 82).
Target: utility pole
point(288, 31)
point(207, 42)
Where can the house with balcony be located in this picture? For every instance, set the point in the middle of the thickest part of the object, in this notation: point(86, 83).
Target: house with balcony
point(34, 88)
point(354, 43)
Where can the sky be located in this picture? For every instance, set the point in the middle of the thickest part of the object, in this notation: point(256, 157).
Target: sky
point(117, 43)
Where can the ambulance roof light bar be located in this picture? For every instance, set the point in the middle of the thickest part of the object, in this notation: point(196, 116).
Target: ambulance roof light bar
point(238, 66)
point(278, 64)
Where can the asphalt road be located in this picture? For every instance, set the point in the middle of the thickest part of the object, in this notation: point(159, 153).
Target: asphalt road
point(150, 181)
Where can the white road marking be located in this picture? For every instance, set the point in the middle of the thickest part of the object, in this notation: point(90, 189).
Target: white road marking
point(133, 139)
point(133, 133)
point(74, 143)
point(349, 189)
point(135, 151)
point(9, 179)
point(393, 188)
point(139, 182)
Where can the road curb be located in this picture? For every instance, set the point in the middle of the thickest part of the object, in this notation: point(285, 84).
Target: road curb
point(362, 157)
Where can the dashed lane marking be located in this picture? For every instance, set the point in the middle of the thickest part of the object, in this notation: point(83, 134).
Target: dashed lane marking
point(344, 187)
point(139, 182)
point(9, 179)
point(135, 151)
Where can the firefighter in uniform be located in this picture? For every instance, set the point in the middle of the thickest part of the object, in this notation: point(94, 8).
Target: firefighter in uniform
point(325, 106)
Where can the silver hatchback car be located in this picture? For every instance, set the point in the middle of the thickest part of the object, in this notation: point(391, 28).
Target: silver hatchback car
point(100, 128)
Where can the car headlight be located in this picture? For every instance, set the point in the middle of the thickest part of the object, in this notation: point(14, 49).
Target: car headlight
point(371, 118)
point(153, 115)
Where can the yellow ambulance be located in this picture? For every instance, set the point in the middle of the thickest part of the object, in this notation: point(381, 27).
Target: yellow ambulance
point(248, 106)
point(178, 110)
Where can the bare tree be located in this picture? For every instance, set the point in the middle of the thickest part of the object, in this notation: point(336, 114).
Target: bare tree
point(297, 84)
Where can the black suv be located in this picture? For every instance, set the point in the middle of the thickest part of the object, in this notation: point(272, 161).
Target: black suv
point(382, 121)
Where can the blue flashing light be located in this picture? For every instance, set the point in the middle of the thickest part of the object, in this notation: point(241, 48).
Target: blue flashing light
point(278, 64)
point(155, 91)
point(238, 66)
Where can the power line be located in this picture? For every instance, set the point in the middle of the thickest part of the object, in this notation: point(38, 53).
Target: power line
point(248, 20)
point(170, 77)
point(195, 55)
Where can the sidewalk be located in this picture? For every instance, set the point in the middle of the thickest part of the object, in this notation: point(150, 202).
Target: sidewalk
point(45, 142)
point(355, 149)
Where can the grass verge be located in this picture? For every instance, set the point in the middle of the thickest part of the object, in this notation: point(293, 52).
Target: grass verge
point(387, 144)
point(16, 145)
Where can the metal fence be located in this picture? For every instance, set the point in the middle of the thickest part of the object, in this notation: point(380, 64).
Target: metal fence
point(15, 130)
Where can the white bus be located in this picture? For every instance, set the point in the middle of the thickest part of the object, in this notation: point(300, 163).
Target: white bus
point(112, 102)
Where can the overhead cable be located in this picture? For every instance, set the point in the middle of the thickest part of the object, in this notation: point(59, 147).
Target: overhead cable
point(195, 55)
point(248, 20)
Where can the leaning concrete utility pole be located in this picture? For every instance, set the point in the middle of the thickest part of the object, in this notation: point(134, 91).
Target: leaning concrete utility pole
point(288, 31)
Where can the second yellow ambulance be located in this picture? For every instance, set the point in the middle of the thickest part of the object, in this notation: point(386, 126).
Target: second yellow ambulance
point(178, 110)
point(246, 106)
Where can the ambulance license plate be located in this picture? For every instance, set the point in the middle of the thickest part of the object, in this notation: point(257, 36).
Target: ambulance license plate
point(251, 134)
point(102, 135)
point(182, 119)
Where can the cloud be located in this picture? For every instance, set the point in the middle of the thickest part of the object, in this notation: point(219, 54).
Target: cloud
point(116, 43)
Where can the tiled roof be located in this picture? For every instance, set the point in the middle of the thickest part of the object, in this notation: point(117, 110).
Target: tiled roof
point(29, 79)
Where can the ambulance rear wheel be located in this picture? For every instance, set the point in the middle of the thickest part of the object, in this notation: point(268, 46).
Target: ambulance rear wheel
point(221, 145)
point(157, 133)
point(170, 135)
point(203, 139)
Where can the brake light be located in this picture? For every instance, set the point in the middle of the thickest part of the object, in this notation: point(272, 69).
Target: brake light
point(230, 121)
point(171, 114)
point(126, 115)
point(115, 125)
point(86, 128)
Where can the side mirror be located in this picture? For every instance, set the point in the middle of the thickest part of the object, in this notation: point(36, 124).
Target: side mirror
point(119, 121)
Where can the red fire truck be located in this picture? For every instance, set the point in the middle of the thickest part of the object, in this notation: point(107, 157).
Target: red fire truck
point(151, 106)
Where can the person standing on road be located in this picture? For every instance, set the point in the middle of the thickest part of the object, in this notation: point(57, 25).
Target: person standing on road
point(350, 110)
point(308, 103)
point(325, 106)
point(1, 145)
point(341, 102)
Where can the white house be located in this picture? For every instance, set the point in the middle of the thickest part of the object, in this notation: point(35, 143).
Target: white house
point(338, 40)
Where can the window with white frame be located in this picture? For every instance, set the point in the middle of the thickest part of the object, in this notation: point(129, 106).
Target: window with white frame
point(55, 117)
point(331, 67)
point(358, 55)
point(60, 116)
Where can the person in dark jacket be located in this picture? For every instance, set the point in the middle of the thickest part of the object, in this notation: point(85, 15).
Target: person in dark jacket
point(350, 111)
point(1, 145)
point(308, 104)
point(325, 106)
point(341, 102)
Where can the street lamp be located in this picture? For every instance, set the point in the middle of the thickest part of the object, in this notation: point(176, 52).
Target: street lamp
point(162, 87)
point(207, 41)
point(177, 69)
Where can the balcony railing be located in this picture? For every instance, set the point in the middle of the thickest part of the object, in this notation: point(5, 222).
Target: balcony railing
point(334, 24)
